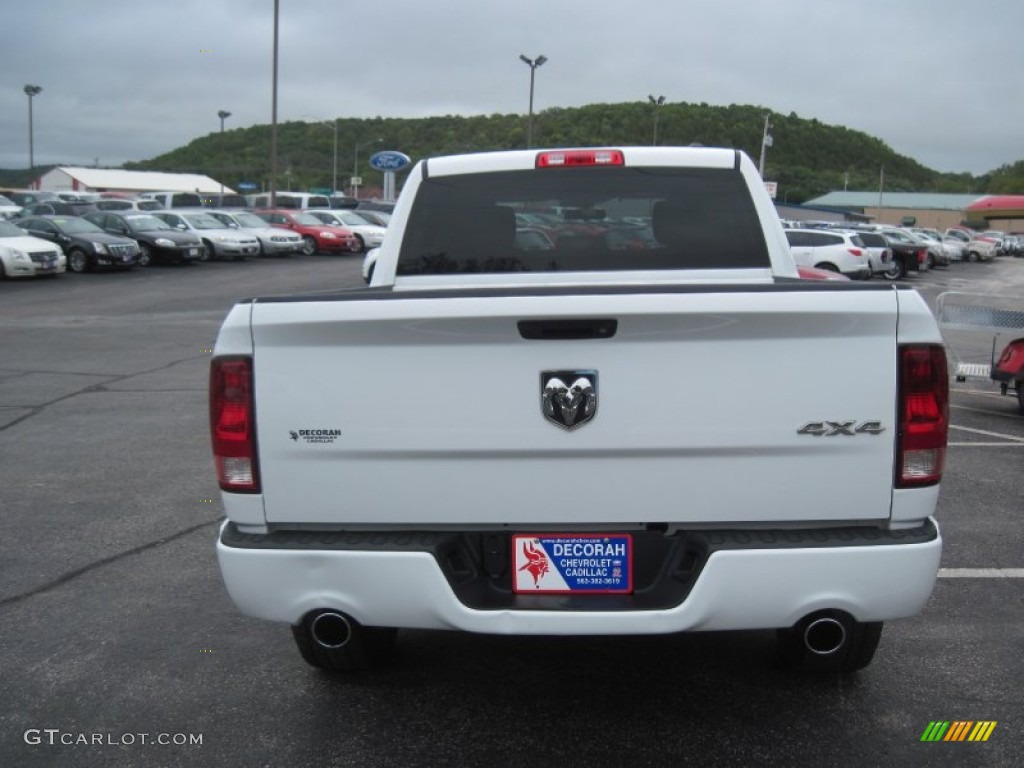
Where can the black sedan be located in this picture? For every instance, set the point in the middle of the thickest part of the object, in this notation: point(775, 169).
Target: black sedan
point(158, 240)
point(86, 245)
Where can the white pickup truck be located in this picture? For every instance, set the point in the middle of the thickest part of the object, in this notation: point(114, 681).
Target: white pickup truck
point(643, 422)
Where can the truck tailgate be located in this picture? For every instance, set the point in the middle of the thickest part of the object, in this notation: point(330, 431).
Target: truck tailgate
point(401, 411)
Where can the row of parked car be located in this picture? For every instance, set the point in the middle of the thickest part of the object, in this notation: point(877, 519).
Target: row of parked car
point(33, 201)
point(861, 251)
point(49, 236)
point(83, 232)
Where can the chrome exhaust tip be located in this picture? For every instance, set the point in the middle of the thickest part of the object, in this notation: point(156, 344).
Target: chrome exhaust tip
point(825, 636)
point(331, 630)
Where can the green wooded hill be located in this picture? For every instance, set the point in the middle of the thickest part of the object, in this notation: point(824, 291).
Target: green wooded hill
point(807, 159)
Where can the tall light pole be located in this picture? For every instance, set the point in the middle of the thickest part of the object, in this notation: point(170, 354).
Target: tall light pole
point(532, 64)
point(766, 141)
point(30, 91)
point(273, 118)
point(223, 114)
point(355, 164)
point(657, 102)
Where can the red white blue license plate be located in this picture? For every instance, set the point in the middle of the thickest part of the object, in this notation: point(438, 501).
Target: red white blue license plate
point(572, 563)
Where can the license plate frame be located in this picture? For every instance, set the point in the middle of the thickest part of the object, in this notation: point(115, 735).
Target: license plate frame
point(572, 563)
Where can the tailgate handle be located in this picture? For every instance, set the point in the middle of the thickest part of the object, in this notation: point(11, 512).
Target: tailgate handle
point(568, 330)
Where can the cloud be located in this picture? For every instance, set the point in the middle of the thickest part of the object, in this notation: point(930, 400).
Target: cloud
point(127, 80)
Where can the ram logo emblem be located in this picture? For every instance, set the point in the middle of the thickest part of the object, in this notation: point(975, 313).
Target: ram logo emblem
point(568, 398)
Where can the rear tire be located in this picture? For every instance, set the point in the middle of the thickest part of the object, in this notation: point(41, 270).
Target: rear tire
point(857, 651)
point(896, 271)
point(1020, 395)
point(827, 267)
point(368, 648)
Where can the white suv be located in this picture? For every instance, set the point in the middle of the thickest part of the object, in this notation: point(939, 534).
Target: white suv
point(825, 249)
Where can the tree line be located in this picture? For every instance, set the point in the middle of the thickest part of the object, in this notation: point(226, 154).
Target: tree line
point(807, 158)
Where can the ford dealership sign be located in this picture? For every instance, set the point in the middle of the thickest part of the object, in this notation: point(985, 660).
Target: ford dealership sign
point(389, 160)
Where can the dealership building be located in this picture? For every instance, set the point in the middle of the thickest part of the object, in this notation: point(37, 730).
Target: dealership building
point(933, 210)
point(68, 178)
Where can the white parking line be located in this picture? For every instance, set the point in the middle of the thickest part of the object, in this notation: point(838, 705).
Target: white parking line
point(981, 573)
point(986, 411)
point(986, 433)
point(980, 444)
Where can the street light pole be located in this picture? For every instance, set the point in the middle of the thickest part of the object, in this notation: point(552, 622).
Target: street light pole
point(532, 64)
point(31, 91)
point(355, 164)
point(657, 102)
point(223, 115)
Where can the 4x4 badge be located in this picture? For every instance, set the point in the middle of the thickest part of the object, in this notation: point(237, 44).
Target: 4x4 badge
point(568, 398)
point(833, 428)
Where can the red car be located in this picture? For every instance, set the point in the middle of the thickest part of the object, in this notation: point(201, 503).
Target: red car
point(813, 273)
point(316, 236)
point(1009, 370)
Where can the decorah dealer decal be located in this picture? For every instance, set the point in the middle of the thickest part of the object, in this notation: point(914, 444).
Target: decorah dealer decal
point(314, 436)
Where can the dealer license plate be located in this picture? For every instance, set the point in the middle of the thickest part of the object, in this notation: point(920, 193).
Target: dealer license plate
point(572, 563)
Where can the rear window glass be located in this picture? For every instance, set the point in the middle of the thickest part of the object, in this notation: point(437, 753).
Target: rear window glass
point(186, 200)
point(588, 219)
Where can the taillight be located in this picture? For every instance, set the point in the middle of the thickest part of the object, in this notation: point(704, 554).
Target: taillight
point(1011, 361)
point(923, 415)
point(578, 157)
point(856, 251)
point(922, 256)
point(233, 424)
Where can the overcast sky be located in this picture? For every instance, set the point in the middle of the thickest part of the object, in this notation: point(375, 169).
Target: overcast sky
point(937, 80)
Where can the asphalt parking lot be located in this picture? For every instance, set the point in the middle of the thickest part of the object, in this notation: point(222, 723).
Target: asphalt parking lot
point(116, 634)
